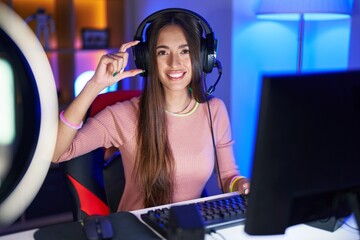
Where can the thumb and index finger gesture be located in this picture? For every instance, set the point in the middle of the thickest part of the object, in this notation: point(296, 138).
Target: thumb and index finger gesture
point(111, 67)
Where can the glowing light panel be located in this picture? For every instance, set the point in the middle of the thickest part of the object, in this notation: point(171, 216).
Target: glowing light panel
point(7, 120)
point(83, 78)
point(307, 16)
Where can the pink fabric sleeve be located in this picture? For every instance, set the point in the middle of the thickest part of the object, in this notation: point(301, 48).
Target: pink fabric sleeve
point(114, 125)
point(224, 141)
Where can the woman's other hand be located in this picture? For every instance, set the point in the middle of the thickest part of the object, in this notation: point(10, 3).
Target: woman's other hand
point(244, 186)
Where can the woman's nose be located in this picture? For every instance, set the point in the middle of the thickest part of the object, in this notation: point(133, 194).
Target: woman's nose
point(174, 60)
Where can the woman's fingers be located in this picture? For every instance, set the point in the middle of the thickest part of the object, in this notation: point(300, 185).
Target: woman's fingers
point(121, 58)
point(112, 65)
point(124, 55)
point(132, 73)
point(119, 61)
point(244, 186)
point(128, 45)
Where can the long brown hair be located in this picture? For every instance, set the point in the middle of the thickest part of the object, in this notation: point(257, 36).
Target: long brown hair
point(154, 167)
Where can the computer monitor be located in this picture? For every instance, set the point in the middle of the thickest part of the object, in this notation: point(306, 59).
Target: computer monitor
point(28, 115)
point(307, 152)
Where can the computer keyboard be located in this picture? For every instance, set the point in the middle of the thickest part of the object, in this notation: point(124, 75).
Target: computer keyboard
point(215, 213)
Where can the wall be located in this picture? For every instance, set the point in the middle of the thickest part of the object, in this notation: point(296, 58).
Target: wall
point(261, 46)
point(354, 50)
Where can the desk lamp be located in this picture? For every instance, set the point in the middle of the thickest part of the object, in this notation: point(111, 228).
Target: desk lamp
point(303, 10)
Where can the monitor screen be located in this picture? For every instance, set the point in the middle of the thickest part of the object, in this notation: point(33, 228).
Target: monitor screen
point(307, 151)
point(28, 115)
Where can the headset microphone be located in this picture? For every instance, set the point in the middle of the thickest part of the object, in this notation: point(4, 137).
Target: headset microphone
point(212, 87)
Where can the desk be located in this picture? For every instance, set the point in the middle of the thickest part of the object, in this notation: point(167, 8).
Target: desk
point(297, 232)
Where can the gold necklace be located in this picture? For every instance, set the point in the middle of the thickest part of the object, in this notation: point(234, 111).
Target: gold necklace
point(187, 105)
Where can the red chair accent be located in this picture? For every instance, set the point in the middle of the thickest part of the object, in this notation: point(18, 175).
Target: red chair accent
point(89, 202)
point(110, 98)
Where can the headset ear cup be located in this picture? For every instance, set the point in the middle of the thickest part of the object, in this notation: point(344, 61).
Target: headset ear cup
point(208, 51)
point(204, 55)
point(145, 52)
point(140, 57)
point(137, 55)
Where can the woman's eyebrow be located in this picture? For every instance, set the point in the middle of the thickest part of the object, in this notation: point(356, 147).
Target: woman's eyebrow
point(184, 46)
point(167, 47)
point(162, 46)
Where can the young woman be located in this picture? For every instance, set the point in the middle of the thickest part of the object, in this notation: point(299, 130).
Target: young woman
point(164, 135)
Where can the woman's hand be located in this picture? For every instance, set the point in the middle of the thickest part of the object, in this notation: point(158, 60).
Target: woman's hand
point(238, 183)
point(111, 67)
point(244, 186)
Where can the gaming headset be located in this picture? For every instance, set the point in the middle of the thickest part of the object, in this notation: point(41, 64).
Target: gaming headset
point(208, 44)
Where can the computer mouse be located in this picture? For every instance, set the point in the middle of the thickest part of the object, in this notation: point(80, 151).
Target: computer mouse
point(98, 228)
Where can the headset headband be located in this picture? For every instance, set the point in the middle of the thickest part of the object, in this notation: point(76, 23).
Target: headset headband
point(150, 18)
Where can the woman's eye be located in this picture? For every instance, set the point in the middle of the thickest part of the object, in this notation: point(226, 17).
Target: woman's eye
point(185, 51)
point(161, 53)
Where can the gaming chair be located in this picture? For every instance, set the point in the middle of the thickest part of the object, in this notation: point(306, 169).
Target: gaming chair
point(96, 183)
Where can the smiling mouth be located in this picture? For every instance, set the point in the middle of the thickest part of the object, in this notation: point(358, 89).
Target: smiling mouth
point(176, 76)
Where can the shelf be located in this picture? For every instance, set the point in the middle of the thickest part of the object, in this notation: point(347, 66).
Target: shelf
point(70, 18)
point(73, 50)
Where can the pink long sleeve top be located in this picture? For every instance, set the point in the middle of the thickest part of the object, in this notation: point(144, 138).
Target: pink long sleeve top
point(190, 139)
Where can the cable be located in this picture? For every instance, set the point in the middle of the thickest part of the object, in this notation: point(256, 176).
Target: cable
point(348, 225)
point(214, 146)
point(343, 221)
point(210, 234)
point(208, 93)
point(213, 231)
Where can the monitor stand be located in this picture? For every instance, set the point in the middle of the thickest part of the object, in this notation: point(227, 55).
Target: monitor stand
point(331, 224)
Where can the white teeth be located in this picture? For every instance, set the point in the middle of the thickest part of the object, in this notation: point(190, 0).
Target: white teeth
point(175, 75)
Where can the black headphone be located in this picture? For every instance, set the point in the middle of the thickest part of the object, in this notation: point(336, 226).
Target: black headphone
point(208, 44)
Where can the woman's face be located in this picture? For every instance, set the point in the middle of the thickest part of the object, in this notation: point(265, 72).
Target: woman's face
point(173, 59)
